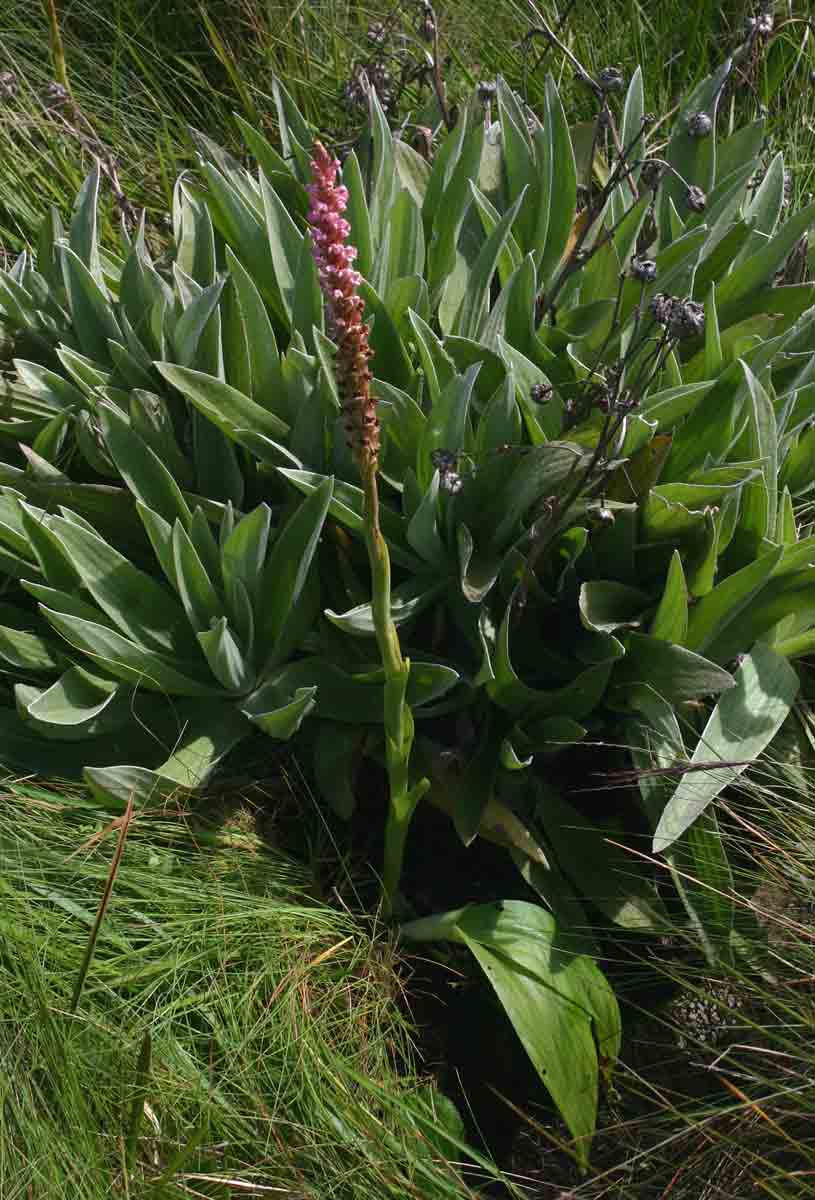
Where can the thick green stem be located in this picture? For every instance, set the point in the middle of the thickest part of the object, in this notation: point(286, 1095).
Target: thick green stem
point(398, 717)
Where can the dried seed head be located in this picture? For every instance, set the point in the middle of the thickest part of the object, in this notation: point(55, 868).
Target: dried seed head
point(427, 25)
point(764, 25)
point(687, 319)
point(486, 90)
point(377, 34)
point(8, 85)
point(55, 96)
point(343, 305)
point(443, 460)
point(539, 393)
point(610, 79)
point(699, 125)
point(652, 172)
point(695, 199)
point(661, 307)
point(643, 269)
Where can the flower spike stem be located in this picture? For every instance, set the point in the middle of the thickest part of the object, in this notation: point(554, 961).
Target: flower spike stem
point(339, 283)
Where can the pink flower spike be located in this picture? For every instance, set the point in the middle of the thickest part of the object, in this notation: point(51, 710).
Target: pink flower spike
point(343, 306)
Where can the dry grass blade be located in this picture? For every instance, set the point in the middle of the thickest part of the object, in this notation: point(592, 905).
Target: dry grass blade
point(103, 904)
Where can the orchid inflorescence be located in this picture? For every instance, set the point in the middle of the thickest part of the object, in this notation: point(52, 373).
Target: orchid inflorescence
point(344, 306)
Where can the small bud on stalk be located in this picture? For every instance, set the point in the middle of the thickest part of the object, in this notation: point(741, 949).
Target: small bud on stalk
point(696, 199)
point(8, 85)
point(699, 125)
point(610, 79)
point(644, 270)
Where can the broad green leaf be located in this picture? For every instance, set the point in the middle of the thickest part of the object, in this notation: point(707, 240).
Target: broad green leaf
point(284, 241)
point(201, 601)
point(289, 561)
point(226, 659)
point(703, 878)
point(408, 599)
point(26, 651)
point(670, 621)
point(576, 699)
point(741, 726)
point(759, 269)
point(227, 408)
point(760, 499)
point(93, 318)
point(141, 608)
point(656, 667)
point(474, 787)
point(446, 423)
point(606, 605)
point(347, 505)
point(83, 237)
point(560, 1004)
point(602, 872)
point(335, 755)
point(283, 721)
point(563, 201)
point(357, 214)
point(124, 659)
point(77, 706)
point(473, 310)
point(348, 698)
point(143, 472)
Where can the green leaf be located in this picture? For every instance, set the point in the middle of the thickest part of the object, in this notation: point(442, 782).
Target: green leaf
point(352, 699)
point(124, 659)
point(141, 608)
point(724, 604)
point(704, 881)
point(606, 605)
point(227, 408)
point(292, 552)
point(759, 269)
point(383, 178)
point(408, 599)
point(576, 699)
point(283, 721)
point(449, 210)
point(201, 601)
point(284, 242)
point(474, 306)
point(357, 214)
point(563, 201)
point(760, 499)
point(652, 665)
point(260, 338)
point(693, 158)
point(77, 706)
point(473, 788)
point(143, 472)
point(347, 506)
point(670, 621)
point(93, 317)
point(114, 787)
point(741, 726)
point(335, 755)
point(27, 651)
point(226, 659)
point(601, 871)
point(83, 237)
point(560, 1004)
point(446, 423)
